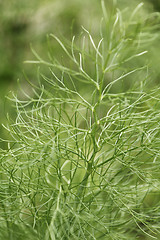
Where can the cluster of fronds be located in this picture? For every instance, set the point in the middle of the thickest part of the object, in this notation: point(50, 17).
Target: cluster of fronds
point(84, 160)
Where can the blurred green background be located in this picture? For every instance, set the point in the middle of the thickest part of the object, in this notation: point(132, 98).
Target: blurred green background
point(28, 22)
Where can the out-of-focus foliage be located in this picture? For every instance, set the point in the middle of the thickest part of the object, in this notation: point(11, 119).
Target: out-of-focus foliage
point(25, 22)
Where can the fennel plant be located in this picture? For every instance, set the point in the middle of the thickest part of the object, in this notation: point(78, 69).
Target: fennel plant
point(84, 159)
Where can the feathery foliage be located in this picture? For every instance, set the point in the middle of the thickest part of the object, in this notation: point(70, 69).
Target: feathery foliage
point(84, 159)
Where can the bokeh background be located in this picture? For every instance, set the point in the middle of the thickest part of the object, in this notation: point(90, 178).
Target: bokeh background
point(27, 22)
